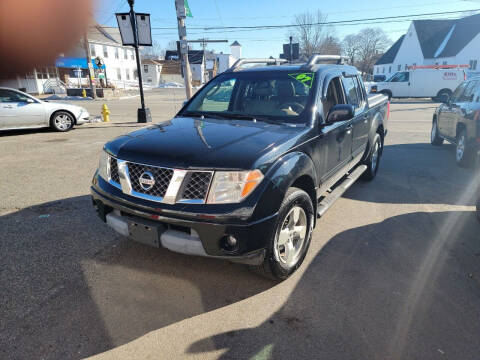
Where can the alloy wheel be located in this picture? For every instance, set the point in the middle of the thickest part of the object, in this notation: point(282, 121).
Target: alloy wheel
point(290, 240)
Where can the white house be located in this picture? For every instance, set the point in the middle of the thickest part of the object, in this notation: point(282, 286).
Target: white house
point(120, 61)
point(434, 42)
point(227, 60)
point(151, 72)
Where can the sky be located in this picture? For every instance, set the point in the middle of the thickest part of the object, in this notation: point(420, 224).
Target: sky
point(265, 43)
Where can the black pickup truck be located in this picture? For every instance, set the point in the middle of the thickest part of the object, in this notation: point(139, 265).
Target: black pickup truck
point(457, 120)
point(241, 172)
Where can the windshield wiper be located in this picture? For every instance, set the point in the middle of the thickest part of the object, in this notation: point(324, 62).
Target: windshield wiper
point(202, 114)
point(250, 117)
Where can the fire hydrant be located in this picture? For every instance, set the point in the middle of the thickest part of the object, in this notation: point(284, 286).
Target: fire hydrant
point(105, 113)
point(84, 93)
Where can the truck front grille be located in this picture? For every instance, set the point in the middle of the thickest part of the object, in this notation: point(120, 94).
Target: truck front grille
point(194, 188)
point(114, 170)
point(161, 176)
point(197, 184)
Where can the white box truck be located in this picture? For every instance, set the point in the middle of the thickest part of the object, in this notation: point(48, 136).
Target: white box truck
point(433, 82)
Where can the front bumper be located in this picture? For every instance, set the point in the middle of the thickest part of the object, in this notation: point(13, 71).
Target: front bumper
point(205, 237)
point(83, 118)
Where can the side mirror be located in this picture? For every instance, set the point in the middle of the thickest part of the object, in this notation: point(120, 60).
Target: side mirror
point(340, 112)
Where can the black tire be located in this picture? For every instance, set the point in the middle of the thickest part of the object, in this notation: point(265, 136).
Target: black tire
point(373, 159)
point(62, 121)
point(388, 94)
point(464, 154)
point(478, 209)
point(435, 139)
point(443, 95)
point(273, 266)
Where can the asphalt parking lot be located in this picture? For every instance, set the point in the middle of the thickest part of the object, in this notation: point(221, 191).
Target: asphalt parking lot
point(393, 271)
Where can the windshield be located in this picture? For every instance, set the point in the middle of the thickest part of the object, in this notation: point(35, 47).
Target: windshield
point(278, 96)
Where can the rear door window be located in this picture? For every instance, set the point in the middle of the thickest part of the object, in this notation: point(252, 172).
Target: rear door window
point(467, 95)
point(350, 84)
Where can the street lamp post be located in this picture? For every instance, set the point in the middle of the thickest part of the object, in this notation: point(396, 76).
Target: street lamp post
point(143, 113)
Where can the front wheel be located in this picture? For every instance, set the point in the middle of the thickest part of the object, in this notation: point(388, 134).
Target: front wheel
point(478, 209)
point(464, 155)
point(373, 159)
point(288, 246)
point(435, 139)
point(62, 121)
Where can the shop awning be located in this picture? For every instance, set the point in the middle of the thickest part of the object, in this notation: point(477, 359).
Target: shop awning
point(74, 63)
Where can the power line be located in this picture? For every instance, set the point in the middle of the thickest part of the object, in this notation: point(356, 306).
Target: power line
point(336, 23)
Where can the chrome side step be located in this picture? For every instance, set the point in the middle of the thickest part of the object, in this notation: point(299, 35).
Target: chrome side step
point(339, 190)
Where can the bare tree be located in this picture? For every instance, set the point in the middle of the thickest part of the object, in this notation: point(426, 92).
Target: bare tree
point(351, 47)
point(372, 44)
point(330, 45)
point(154, 51)
point(309, 32)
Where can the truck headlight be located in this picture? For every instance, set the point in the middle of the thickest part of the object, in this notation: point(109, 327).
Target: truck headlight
point(104, 165)
point(233, 186)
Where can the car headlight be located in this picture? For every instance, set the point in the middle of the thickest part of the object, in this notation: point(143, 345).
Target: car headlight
point(233, 186)
point(104, 165)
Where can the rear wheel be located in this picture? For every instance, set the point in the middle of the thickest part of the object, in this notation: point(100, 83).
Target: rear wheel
point(289, 243)
point(62, 121)
point(373, 159)
point(443, 95)
point(464, 155)
point(435, 139)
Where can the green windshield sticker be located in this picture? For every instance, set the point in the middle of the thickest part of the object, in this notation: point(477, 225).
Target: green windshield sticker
point(305, 78)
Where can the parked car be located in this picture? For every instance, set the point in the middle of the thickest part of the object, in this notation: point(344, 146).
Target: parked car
point(437, 84)
point(243, 169)
point(458, 122)
point(19, 110)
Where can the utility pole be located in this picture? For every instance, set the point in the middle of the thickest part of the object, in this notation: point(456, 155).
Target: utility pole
point(203, 42)
point(143, 113)
point(91, 73)
point(182, 34)
point(291, 50)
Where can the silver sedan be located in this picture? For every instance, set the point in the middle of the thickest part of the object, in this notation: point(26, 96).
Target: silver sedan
point(19, 110)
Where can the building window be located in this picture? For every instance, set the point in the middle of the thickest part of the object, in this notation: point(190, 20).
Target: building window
point(119, 74)
point(445, 63)
point(383, 70)
point(135, 74)
point(389, 69)
point(406, 66)
point(125, 54)
point(92, 50)
point(127, 73)
point(145, 68)
point(132, 55)
point(105, 51)
point(473, 64)
point(399, 67)
point(414, 64)
point(116, 53)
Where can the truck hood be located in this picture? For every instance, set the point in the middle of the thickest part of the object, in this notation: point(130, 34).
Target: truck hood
point(206, 143)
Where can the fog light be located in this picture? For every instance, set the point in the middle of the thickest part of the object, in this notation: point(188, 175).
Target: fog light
point(229, 243)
